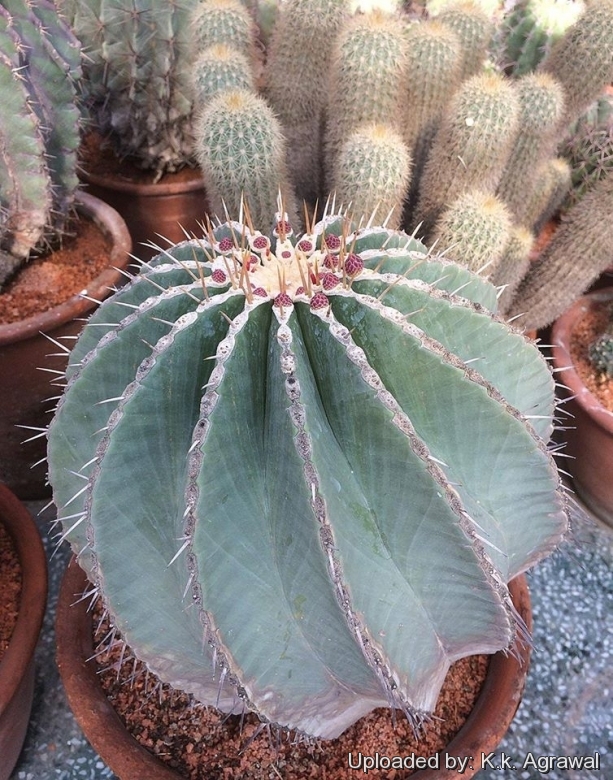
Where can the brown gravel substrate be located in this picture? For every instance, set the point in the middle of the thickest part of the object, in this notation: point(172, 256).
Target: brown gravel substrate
point(591, 325)
point(52, 278)
point(10, 588)
point(203, 744)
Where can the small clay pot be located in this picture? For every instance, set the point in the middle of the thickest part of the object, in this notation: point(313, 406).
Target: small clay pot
point(482, 731)
point(157, 212)
point(589, 434)
point(24, 387)
point(17, 667)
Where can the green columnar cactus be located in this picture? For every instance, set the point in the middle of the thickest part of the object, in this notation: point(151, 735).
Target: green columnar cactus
point(513, 266)
point(541, 101)
point(578, 253)
point(529, 31)
point(372, 174)
point(288, 435)
point(220, 68)
point(589, 148)
point(553, 182)
point(137, 76)
point(474, 231)
point(471, 147)
point(434, 67)
point(241, 150)
point(367, 79)
point(475, 30)
point(582, 60)
point(39, 128)
point(296, 78)
point(227, 22)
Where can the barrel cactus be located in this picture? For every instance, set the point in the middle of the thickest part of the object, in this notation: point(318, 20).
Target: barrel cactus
point(328, 447)
point(39, 136)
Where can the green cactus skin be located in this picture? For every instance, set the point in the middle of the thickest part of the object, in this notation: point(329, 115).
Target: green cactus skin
point(222, 21)
point(553, 182)
point(513, 265)
point(137, 76)
point(220, 68)
point(39, 126)
point(600, 352)
point(474, 231)
point(367, 80)
point(285, 452)
point(531, 29)
point(541, 101)
point(434, 66)
point(373, 173)
point(578, 253)
point(241, 150)
point(582, 60)
point(296, 81)
point(475, 30)
point(589, 148)
point(471, 147)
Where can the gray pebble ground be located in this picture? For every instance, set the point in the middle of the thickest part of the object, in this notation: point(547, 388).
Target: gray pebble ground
point(567, 708)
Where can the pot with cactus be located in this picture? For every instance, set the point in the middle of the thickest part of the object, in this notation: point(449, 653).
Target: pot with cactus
point(582, 348)
point(40, 202)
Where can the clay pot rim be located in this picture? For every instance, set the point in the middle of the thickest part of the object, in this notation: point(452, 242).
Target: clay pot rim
point(146, 189)
point(21, 527)
point(482, 732)
point(567, 374)
point(113, 225)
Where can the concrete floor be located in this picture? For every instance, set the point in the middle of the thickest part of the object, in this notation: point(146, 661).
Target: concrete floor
point(567, 709)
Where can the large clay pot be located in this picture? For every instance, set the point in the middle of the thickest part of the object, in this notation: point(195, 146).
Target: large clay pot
point(24, 387)
point(483, 730)
point(589, 429)
point(154, 211)
point(17, 665)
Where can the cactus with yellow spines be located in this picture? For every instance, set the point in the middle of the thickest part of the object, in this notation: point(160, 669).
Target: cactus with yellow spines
point(513, 265)
point(475, 30)
point(372, 174)
point(553, 183)
point(220, 68)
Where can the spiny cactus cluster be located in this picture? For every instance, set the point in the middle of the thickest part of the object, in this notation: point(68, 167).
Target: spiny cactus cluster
point(137, 76)
point(288, 431)
point(601, 352)
point(39, 120)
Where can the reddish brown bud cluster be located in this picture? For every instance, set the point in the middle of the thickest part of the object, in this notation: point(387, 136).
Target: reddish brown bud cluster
point(319, 301)
point(219, 276)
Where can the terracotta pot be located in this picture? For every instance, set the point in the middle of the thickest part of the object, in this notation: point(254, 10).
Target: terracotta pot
point(17, 666)
point(24, 388)
point(483, 730)
point(589, 438)
point(152, 210)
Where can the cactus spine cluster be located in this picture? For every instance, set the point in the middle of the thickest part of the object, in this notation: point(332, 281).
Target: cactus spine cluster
point(513, 265)
point(475, 30)
point(137, 76)
point(39, 128)
point(578, 253)
point(279, 430)
point(600, 351)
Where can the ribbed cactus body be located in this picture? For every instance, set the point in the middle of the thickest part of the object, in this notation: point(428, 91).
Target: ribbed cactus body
point(577, 254)
point(474, 231)
point(241, 150)
point(471, 147)
point(541, 105)
point(530, 30)
point(372, 174)
point(221, 68)
point(296, 83)
point(288, 435)
point(582, 60)
point(552, 185)
point(367, 79)
point(39, 126)
point(137, 76)
point(474, 28)
point(222, 21)
point(513, 265)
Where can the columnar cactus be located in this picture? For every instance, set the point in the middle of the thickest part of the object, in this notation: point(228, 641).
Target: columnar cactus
point(39, 128)
point(475, 30)
point(472, 145)
point(296, 83)
point(286, 432)
point(513, 265)
point(137, 76)
point(552, 184)
point(372, 174)
point(220, 68)
point(578, 253)
point(241, 150)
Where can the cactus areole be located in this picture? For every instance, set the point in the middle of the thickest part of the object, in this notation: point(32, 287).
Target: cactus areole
point(301, 470)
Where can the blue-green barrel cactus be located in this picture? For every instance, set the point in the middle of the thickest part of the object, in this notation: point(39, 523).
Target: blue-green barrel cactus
point(301, 470)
